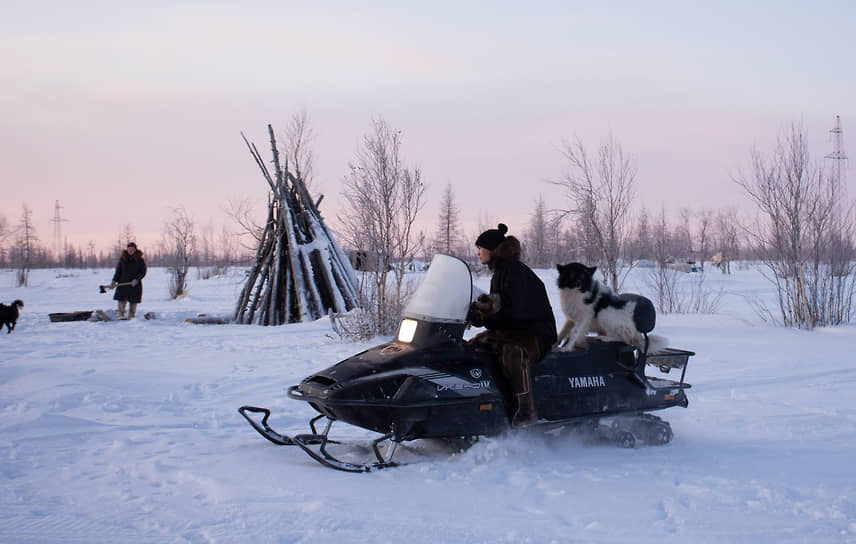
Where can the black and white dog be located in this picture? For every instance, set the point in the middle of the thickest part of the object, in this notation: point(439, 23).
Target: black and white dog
point(590, 306)
point(9, 314)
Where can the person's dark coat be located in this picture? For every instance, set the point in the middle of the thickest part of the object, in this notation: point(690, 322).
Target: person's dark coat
point(524, 306)
point(130, 267)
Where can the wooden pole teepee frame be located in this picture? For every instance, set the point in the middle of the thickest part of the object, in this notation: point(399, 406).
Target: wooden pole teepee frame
point(300, 271)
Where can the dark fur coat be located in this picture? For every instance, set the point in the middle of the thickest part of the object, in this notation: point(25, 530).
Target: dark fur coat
point(523, 303)
point(130, 267)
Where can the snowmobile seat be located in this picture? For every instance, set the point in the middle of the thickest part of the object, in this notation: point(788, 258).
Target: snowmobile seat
point(644, 314)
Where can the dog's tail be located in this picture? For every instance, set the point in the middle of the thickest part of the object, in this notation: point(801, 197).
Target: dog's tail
point(657, 343)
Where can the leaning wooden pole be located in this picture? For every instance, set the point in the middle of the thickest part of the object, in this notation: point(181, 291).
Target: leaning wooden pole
point(300, 272)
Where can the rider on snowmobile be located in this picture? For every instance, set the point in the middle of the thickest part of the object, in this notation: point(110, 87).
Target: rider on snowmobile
point(518, 317)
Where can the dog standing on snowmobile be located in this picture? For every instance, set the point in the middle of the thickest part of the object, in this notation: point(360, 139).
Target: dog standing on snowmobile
point(517, 315)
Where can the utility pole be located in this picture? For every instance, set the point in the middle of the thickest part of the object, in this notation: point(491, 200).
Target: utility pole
point(837, 155)
point(58, 221)
point(840, 246)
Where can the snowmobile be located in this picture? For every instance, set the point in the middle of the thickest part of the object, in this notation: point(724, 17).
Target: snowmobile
point(430, 383)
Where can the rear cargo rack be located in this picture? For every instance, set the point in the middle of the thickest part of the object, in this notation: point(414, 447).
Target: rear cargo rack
point(667, 359)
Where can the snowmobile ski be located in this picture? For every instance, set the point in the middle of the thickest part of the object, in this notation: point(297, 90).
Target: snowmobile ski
point(304, 441)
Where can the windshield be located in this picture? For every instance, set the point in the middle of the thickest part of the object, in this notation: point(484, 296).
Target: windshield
point(445, 292)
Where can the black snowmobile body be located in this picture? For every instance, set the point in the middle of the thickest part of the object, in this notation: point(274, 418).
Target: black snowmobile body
point(454, 388)
point(430, 383)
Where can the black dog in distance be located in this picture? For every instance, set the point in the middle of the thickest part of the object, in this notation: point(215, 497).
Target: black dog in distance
point(9, 314)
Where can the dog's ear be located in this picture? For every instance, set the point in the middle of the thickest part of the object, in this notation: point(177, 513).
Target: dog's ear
point(591, 270)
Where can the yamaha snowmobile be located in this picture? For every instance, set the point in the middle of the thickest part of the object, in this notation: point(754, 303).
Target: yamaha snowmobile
point(430, 383)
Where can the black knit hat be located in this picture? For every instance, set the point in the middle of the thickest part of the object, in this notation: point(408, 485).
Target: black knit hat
point(491, 238)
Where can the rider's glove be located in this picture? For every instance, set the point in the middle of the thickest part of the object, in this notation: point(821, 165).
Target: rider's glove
point(485, 305)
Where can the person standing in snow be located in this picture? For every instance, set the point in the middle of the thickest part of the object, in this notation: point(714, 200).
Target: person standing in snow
point(130, 271)
point(518, 317)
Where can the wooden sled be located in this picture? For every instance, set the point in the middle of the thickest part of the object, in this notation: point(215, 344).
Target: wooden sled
point(62, 317)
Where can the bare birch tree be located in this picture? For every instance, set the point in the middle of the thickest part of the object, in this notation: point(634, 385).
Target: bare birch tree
point(448, 238)
point(704, 233)
point(299, 154)
point(661, 278)
point(214, 255)
point(297, 147)
point(179, 245)
point(125, 235)
point(683, 237)
point(601, 191)
point(228, 248)
point(674, 290)
point(4, 233)
point(242, 213)
point(641, 246)
point(205, 254)
point(382, 199)
point(797, 202)
point(91, 256)
point(560, 241)
point(25, 246)
point(726, 239)
point(536, 242)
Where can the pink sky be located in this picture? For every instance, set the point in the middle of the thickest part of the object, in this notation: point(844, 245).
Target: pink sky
point(126, 111)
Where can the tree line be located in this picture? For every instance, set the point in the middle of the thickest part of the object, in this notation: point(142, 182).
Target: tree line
point(803, 231)
point(222, 249)
point(181, 247)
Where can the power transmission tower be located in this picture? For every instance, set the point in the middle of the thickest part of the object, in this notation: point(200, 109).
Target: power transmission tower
point(58, 221)
point(840, 245)
point(837, 154)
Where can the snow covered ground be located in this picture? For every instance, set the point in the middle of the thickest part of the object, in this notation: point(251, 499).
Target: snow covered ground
point(128, 432)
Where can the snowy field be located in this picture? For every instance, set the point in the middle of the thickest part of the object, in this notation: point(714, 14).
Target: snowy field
point(128, 432)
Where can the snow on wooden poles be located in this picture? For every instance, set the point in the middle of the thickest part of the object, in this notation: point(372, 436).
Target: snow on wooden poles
point(300, 272)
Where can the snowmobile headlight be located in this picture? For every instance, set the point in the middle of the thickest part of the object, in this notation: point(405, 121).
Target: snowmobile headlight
point(407, 330)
